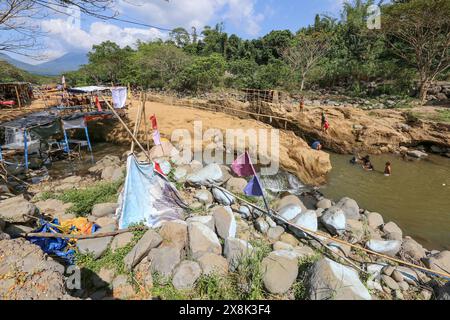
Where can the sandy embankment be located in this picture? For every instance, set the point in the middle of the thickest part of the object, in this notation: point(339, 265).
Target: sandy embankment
point(294, 153)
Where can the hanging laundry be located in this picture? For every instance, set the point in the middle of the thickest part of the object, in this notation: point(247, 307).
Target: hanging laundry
point(97, 104)
point(119, 97)
point(154, 122)
point(156, 138)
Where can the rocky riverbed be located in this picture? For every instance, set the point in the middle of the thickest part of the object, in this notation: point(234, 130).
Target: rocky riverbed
point(222, 248)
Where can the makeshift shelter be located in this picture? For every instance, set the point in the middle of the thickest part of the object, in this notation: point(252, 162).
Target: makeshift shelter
point(18, 94)
point(147, 197)
point(118, 94)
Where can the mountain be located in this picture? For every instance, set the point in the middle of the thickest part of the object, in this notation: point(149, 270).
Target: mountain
point(68, 62)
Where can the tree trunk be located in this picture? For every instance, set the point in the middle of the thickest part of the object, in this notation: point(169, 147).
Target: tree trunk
point(302, 84)
point(424, 86)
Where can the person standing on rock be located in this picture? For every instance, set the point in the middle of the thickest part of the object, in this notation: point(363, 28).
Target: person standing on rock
point(302, 104)
point(325, 123)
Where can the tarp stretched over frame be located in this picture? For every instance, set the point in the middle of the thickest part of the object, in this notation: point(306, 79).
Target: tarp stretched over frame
point(147, 197)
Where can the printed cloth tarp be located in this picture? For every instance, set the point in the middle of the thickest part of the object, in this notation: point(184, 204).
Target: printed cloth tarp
point(147, 197)
point(119, 97)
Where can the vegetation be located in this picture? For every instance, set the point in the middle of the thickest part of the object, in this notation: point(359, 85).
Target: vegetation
point(332, 52)
point(9, 73)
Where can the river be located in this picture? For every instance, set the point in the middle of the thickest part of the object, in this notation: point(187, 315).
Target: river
point(416, 196)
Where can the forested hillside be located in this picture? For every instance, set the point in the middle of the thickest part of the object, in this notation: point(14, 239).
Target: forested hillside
point(9, 73)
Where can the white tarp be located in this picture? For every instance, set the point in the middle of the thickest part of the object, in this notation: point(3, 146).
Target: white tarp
point(89, 89)
point(147, 197)
point(78, 123)
point(119, 97)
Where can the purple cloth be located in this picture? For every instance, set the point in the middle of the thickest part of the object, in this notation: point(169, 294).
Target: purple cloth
point(156, 138)
point(242, 166)
point(254, 188)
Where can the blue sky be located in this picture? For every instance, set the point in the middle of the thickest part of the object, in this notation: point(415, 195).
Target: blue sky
point(247, 18)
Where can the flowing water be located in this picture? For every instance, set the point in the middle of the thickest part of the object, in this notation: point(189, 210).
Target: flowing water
point(416, 196)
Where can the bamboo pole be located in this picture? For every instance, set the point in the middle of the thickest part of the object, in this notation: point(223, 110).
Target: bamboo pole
point(147, 138)
point(82, 236)
point(18, 97)
point(137, 123)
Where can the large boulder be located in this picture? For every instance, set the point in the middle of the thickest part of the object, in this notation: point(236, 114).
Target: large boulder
point(174, 234)
point(169, 150)
point(324, 204)
point(121, 241)
point(211, 174)
point(290, 200)
point(334, 220)
point(236, 185)
point(53, 207)
point(306, 220)
point(329, 280)
point(164, 260)
point(290, 211)
point(392, 228)
point(280, 269)
point(412, 249)
point(261, 225)
point(439, 262)
point(150, 240)
point(186, 274)
point(17, 210)
point(416, 154)
point(204, 196)
point(206, 220)
point(275, 233)
point(112, 173)
point(213, 264)
point(222, 197)
point(225, 222)
point(96, 246)
point(388, 247)
point(235, 250)
point(104, 209)
point(349, 207)
point(202, 240)
point(374, 220)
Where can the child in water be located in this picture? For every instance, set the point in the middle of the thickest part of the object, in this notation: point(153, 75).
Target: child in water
point(387, 169)
point(367, 164)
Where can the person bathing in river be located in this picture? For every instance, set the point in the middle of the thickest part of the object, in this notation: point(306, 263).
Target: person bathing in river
point(387, 169)
point(367, 165)
point(316, 145)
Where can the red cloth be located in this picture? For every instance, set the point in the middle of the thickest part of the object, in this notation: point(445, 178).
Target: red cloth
point(8, 103)
point(158, 168)
point(154, 122)
point(97, 103)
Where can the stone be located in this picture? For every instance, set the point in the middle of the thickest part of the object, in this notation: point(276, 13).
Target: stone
point(174, 234)
point(202, 240)
point(290, 239)
point(319, 212)
point(106, 161)
point(222, 197)
point(225, 222)
point(356, 228)
point(290, 200)
point(17, 209)
point(96, 246)
point(388, 247)
point(329, 280)
point(397, 276)
point(440, 261)
point(206, 220)
point(105, 221)
point(374, 220)
point(106, 276)
point(121, 288)
point(164, 260)
point(306, 220)
point(303, 252)
point(150, 240)
point(349, 207)
point(373, 285)
point(275, 233)
point(416, 154)
point(236, 185)
point(112, 173)
point(282, 246)
point(104, 209)
point(143, 274)
point(186, 274)
point(53, 207)
point(245, 212)
point(261, 225)
point(324, 204)
point(234, 250)
point(180, 174)
point(204, 196)
point(388, 270)
point(213, 264)
point(16, 230)
point(391, 227)
point(290, 211)
point(211, 174)
point(412, 249)
point(270, 222)
point(334, 221)
point(121, 241)
point(388, 281)
point(404, 286)
point(167, 146)
point(442, 292)
point(280, 270)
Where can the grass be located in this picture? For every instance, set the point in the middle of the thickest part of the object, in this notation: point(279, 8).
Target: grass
point(83, 200)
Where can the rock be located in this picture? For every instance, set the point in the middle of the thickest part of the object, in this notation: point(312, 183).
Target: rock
point(290, 200)
point(307, 220)
point(16, 230)
point(388, 281)
point(388, 270)
point(202, 240)
point(356, 228)
point(245, 212)
point(150, 240)
point(236, 185)
point(206, 220)
point(416, 154)
point(222, 197)
point(290, 211)
point(412, 249)
point(373, 285)
point(392, 228)
point(225, 222)
point(105, 276)
point(17, 210)
point(121, 240)
point(275, 233)
point(121, 288)
point(235, 250)
point(397, 276)
point(303, 252)
point(143, 274)
point(204, 196)
point(72, 180)
point(324, 204)
point(180, 174)
point(403, 286)
point(164, 260)
point(334, 220)
point(213, 264)
point(280, 270)
point(349, 207)
point(96, 246)
point(261, 225)
point(105, 221)
point(290, 239)
point(106, 161)
point(104, 209)
point(440, 261)
point(27, 273)
point(169, 150)
point(442, 292)
point(112, 173)
point(270, 222)
point(186, 274)
point(389, 247)
point(212, 173)
point(374, 220)
point(174, 234)
point(53, 207)
point(282, 246)
point(195, 165)
point(331, 280)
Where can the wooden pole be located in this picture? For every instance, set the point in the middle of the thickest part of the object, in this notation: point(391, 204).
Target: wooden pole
point(137, 122)
point(147, 138)
point(82, 236)
point(18, 97)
